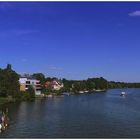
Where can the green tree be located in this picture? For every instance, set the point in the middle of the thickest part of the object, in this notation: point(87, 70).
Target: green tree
point(31, 91)
point(39, 76)
point(29, 94)
point(68, 85)
point(9, 84)
point(90, 85)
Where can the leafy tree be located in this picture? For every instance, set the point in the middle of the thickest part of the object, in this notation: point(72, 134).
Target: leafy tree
point(18, 96)
point(68, 84)
point(29, 94)
point(26, 96)
point(9, 84)
point(48, 79)
point(39, 76)
point(31, 91)
point(90, 85)
point(76, 87)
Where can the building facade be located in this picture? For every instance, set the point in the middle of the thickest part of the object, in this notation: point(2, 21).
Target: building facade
point(26, 82)
point(54, 85)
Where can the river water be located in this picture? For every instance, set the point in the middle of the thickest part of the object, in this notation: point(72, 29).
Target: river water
point(99, 115)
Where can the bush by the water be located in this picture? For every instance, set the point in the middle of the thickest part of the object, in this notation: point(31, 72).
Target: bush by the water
point(29, 95)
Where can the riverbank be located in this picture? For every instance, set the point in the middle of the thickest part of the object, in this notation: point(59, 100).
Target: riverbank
point(91, 91)
point(6, 100)
point(52, 94)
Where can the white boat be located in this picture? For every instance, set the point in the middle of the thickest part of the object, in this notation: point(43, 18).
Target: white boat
point(50, 95)
point(123, 94)
point(68, 94)
point(81, 91)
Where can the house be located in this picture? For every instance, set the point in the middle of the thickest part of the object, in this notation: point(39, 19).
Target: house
point(47, 85)
point(26, 82)
point(54, 84)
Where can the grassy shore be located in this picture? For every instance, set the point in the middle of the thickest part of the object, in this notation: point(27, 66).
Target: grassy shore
point(5, 100)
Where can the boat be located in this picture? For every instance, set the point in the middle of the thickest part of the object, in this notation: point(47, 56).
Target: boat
point(123, 94)
point(68, 94)
point(81, 91)
point(50, 95)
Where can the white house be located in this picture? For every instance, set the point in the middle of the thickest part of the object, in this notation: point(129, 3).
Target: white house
point(25, 82)
point(56, 85)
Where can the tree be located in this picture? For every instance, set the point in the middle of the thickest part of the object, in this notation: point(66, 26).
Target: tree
point(39, 76)
point(31, 91)
point(90, 85)
point(29, 94)
point(76, 87)
point(100, 83)
point(68, 85)
point(9, 84)
point(48, 79)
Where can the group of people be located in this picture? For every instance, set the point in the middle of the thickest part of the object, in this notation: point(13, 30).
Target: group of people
point(4, 120)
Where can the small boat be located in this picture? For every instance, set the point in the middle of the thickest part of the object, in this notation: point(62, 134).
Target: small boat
point(81, 91)
point(50, 95)
point(68, 94)
point(123, 94)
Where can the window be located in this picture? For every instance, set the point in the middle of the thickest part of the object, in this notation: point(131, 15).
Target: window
point(27, 82)
point(27, 86)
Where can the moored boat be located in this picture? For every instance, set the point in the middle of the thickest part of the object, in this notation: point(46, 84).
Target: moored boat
point(123, 94)
point(50, 95)
point(81, 91)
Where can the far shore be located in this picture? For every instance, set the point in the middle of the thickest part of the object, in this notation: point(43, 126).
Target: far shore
point(7, 100)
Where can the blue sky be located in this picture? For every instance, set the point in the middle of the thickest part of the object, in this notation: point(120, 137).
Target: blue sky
point(75, 40)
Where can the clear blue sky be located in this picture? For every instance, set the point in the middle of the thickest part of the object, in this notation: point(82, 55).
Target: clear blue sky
point(75, 40)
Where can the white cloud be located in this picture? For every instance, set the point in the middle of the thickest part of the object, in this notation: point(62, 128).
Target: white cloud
point(135, 13)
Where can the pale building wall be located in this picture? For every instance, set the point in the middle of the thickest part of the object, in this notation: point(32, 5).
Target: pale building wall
point(22, 88)
point(22, 80)
point(33, 82)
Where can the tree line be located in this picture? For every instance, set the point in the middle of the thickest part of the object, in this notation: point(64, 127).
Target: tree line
point(85, 85)
point(113, 84)
point(92, 84)
point(9, 84)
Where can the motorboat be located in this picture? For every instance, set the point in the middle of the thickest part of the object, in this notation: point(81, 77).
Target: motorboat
point(50, 95)
point(123, 94)
point(81, 91)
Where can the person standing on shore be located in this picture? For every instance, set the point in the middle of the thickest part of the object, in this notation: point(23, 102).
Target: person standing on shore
point(6, 120)
point(0, 125)
point(3, 121)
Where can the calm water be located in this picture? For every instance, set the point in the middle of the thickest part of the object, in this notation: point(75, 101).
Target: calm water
point(102, 115)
